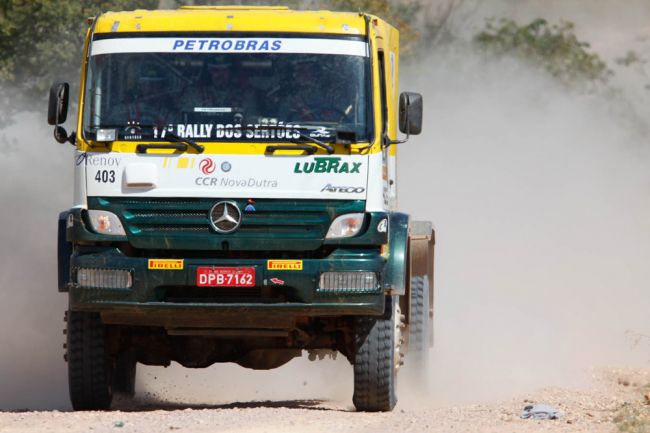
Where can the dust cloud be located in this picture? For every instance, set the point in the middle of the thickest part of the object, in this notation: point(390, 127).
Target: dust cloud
point(540, 198)
point(36, 186)
point(541, 201)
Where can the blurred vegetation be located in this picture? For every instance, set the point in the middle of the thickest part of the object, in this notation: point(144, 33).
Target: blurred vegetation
point(630, 58)
point(402, 14)
point(552, 47)
point(41, 41)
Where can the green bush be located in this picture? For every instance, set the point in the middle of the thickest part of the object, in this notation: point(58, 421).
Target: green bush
point(401, 13)
point(41, 41)
point(554, 47)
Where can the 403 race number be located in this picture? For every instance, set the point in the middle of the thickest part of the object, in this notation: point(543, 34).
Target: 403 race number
point(105, 176)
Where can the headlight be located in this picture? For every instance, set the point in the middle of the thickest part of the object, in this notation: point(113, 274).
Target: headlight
point(106, 223)
point(345, 226)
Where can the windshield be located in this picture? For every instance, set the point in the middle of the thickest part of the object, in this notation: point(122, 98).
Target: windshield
point(227, 89)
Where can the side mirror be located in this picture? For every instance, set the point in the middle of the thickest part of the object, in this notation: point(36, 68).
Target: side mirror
point(57, 110)
point(410, 113)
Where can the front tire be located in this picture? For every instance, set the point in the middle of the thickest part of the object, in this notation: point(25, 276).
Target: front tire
point(89, 366)
point(375, 369)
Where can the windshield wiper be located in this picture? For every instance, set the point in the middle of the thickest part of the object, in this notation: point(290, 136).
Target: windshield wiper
point(329, 148)
point(142, 148)
point(176, 138)
point(309, 148)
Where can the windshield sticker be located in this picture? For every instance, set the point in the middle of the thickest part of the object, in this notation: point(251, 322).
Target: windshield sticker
point(234, 131)
point(230, 45)
point(132, 131)
point(219, 45)
point(321, 132)
point(194, 131)
point(213, 109)
point(327, 164)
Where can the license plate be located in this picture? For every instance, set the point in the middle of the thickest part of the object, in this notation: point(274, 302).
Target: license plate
point(225, 277)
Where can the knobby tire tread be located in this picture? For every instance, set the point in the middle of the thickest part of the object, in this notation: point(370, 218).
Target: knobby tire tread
point(420, 325)
point(88, 367)
point(374, 368)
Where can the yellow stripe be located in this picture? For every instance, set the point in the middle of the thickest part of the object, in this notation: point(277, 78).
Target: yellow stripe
point(229, 148)
point(248, 19)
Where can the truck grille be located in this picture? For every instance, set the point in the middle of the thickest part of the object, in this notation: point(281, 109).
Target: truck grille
point(184, 223)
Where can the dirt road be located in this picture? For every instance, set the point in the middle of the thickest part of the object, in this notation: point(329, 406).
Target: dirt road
point(616, 400)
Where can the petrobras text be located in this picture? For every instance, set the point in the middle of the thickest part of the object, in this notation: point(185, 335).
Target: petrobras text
point(230, 45)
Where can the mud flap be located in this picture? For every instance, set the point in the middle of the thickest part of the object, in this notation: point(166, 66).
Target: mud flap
point(396, 268)
point(64, 251)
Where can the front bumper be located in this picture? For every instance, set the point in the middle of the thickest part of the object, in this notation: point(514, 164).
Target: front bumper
point(171, 298)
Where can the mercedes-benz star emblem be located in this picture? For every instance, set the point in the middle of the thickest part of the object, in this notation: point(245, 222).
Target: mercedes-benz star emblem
point(225, 217)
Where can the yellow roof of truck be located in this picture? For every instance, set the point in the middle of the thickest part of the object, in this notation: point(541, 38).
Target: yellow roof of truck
point(232, 19)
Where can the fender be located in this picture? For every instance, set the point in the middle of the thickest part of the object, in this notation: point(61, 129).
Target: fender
point(396, 266)
point(64, 251)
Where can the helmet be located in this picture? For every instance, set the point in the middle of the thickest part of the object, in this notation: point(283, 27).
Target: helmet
point(304, 65)
point(151, 73)
point(219, 62)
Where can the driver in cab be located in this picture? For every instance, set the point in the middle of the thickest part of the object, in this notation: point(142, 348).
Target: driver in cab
point(150, 103)
point(316, 95)
point(219, 91)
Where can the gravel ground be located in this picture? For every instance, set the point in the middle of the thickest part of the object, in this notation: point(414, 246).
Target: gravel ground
point(597, 408)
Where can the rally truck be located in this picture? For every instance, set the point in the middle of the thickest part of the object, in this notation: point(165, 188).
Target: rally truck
point(235, 199)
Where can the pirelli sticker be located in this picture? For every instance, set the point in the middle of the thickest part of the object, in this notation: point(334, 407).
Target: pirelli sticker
point(166, 264)
point(284, 265)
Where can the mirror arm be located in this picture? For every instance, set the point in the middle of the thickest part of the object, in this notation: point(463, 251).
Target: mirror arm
point(386, 142)
point(61, 135)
